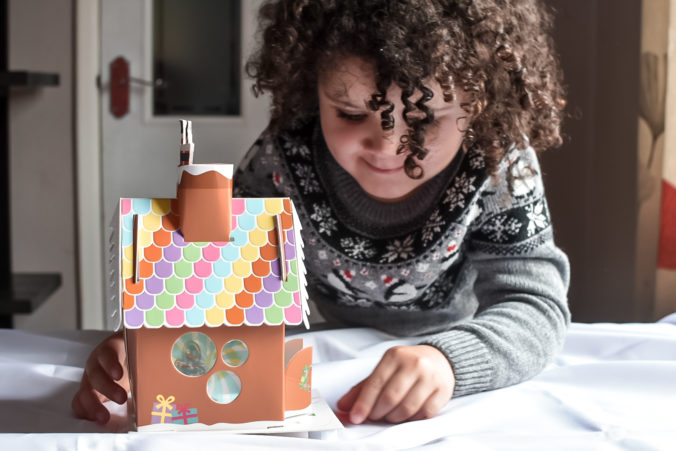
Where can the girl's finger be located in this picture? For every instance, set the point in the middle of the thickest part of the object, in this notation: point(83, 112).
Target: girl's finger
point(78, 410)
point(91, 406)
point(411, 403)
point(431, 407)
point(347, 401)
point(101, 381)
point(108, 360)
point(371, 388)
point(394, 393)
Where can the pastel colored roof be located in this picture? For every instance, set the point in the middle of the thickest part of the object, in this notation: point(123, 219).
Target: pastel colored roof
point(220, 283)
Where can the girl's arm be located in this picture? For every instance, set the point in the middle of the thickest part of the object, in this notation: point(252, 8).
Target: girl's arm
point(521, 286)
point(520, 325)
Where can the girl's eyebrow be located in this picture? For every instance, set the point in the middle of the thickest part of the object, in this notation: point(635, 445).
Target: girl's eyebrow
point(340, 97)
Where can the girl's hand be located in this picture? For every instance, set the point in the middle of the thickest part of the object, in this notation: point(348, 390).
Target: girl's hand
point(105, 365)
point(409, 383)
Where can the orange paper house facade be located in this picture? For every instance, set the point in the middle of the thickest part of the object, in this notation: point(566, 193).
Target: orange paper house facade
point(204, 319)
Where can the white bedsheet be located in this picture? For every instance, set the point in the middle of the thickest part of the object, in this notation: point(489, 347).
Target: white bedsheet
point(612, 387)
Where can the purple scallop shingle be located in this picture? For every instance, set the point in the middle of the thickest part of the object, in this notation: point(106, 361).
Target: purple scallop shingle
point(178, 239)
point(154, 285)
point(275, 268)
point(145, 301)
point(133, 317)
point(263, 299)
point(172, 253)
point(164, 269)
point(290, 251)
point(272, 283)
point(254, 315)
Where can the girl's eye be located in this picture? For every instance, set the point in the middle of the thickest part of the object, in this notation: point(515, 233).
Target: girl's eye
point(351, 117)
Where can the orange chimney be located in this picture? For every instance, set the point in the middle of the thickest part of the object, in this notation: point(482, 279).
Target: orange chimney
point(205, 201)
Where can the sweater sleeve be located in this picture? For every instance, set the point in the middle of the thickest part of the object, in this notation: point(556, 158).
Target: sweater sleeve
point(521, 286)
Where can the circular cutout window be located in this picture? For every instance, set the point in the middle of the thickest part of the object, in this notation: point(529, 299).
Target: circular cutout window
point(224, 387)
point(193, 354)
point(235, 353)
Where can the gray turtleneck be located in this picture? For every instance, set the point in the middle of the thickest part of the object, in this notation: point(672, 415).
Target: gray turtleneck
point(467, 262)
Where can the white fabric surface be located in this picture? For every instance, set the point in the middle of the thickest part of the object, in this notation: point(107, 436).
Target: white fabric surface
point(612, 387)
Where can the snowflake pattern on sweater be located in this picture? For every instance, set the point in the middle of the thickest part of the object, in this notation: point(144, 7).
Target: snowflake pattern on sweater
point(415, 271)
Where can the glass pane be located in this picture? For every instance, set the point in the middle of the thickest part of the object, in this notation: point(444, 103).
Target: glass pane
point(193, 354)
point(224, 387)
point(196, 54)
point(235, 353)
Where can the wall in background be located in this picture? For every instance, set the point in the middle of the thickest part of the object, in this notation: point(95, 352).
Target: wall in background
point(665, 296)
point(41, 156)
point(591, 181)
point(610, 186)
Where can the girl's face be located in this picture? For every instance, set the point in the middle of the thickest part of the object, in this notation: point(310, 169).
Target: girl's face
point(354, 136)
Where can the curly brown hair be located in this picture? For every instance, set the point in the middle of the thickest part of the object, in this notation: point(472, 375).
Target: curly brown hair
point(498, 52)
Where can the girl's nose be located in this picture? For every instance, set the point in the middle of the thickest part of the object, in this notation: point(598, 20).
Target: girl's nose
point(385, 141)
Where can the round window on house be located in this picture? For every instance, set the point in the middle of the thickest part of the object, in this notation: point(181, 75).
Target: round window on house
point(224, 387)
point(193, 354)
point(235, 353)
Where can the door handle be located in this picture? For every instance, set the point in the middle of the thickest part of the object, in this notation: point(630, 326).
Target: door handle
point(150, 83)
point(119, 86)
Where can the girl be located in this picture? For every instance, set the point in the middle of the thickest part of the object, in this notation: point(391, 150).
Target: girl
point(406, 133)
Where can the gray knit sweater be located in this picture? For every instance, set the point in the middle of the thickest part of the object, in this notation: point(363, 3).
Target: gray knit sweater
point(466, 262)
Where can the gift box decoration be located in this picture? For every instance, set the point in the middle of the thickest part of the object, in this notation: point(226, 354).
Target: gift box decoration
point(184, 415)
point(163, 410)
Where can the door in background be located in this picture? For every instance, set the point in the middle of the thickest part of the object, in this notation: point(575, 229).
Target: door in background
point(185, 61)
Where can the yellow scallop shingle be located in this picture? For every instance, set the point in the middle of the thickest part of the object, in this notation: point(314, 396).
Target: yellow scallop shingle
point(234, 285)
point(145, 238)
point(225, 300)
point(215, 316)
point(265, 222)
point(274, 206)
point(257, 237)
point(151, 222)
point(127, 268)
point(128, 253)
point(241, 268)
point(161, 206)
point(249, 253)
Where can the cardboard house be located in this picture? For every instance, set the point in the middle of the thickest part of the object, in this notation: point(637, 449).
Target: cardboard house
point(206, 285)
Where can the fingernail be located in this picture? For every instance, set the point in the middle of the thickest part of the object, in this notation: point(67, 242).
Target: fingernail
point(356, 418)
point(116, 373)
point(121, 398)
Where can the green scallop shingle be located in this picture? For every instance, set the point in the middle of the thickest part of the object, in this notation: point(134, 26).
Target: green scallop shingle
point(183, 269)
point(192, 253)
point(154, 317)
point(274, 315)
point(165, 301)
point(291, 283)
point(174, 285)
point(283, 299)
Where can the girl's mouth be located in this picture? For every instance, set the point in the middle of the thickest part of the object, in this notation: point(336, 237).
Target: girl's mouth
point(383, 170)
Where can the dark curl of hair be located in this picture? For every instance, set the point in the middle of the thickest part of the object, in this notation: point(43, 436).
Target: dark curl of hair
point(498, 52)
